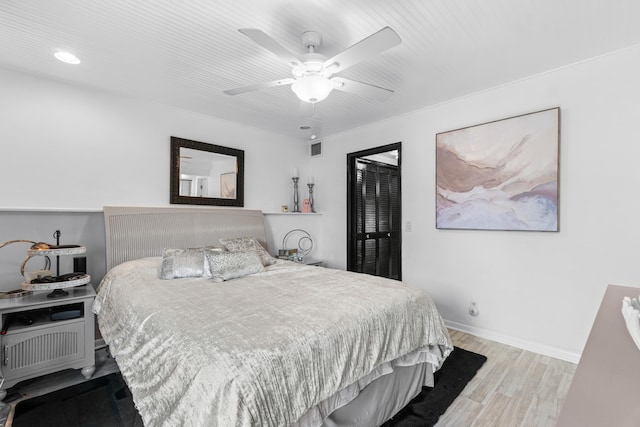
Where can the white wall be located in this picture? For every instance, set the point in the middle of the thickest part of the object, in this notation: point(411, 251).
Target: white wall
point(539, 291)
point(71, 149)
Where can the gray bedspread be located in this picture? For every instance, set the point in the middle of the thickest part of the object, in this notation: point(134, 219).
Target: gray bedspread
point(259, 350)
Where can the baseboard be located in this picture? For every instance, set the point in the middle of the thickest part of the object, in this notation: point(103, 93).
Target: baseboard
point(515, 342)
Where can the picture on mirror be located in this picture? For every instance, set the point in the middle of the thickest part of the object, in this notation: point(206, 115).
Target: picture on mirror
point(228, 185)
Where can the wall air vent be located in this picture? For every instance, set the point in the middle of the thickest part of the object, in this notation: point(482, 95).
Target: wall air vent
point(316, 148)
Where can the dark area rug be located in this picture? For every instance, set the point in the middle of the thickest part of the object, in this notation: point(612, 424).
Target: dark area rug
point(107, 402)
point(425, 409)
point(101, 402)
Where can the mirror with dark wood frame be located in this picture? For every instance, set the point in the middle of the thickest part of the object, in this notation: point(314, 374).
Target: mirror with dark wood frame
point(206, 174)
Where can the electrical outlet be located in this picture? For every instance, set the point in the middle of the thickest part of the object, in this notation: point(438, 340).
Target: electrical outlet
point(473, 309)
point(408, 226)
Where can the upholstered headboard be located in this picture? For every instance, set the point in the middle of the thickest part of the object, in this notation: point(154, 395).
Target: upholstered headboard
point(138, 232)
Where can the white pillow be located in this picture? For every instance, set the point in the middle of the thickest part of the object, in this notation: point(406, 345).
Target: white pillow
point(248, 244)
point(177, 263)
point(191, 262)
point(231, 265)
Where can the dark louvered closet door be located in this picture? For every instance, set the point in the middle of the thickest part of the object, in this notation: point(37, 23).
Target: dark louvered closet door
point(377, 211)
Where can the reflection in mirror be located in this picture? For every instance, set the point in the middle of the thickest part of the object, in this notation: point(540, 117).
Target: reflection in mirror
point(206, 174)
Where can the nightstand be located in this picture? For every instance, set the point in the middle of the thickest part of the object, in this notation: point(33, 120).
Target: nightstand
point(43, 335)
point(310, 261)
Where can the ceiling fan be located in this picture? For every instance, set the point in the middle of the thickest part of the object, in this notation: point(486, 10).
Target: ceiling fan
point(312, 79)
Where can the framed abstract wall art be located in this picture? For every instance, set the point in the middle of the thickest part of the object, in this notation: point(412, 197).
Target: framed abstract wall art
point(501, 175)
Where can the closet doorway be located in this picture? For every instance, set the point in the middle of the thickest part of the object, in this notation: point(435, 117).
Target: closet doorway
point(374, 211)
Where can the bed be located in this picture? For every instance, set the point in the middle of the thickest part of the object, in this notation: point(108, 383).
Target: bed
point(286, 344)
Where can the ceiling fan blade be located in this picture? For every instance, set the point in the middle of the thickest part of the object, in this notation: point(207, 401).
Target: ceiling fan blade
point(376, 43)
point(365, 90)
point(271, 45)
point(258, 86)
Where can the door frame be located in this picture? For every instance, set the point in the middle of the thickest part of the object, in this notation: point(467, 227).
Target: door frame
point(351, 200)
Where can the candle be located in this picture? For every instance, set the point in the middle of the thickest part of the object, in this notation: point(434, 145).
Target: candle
point(310, 179)
point(296, 173)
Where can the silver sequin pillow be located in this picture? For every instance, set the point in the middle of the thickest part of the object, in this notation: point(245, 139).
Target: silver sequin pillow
point(177, 263)
point(231, 265)
point(248, 244)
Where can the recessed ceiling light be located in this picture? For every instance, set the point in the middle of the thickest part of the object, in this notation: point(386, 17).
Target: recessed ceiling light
point(66, 57)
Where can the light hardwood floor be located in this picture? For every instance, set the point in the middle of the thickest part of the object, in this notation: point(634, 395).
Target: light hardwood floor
point(514, 388)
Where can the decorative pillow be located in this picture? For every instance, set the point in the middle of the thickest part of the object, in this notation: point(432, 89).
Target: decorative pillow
point(177, 263)
point(248, 244)
point(215, 248)
point(231, 265)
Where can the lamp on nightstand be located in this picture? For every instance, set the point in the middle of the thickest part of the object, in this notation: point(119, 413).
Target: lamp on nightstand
point(42, 280)
point(305, 245)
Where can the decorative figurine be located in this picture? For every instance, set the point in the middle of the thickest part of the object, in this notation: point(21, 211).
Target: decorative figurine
point(306, 206)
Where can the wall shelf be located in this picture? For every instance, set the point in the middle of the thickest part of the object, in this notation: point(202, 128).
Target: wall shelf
point(51, 210)
point(293, 213)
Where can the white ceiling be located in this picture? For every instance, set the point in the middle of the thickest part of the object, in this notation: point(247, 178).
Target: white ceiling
point(185, 53)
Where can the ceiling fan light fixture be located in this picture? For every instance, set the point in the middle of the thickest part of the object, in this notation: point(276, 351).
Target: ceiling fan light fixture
point(313, 88)
point(66, 57)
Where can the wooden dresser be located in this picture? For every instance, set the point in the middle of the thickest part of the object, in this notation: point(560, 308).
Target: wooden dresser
point(606, 387)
